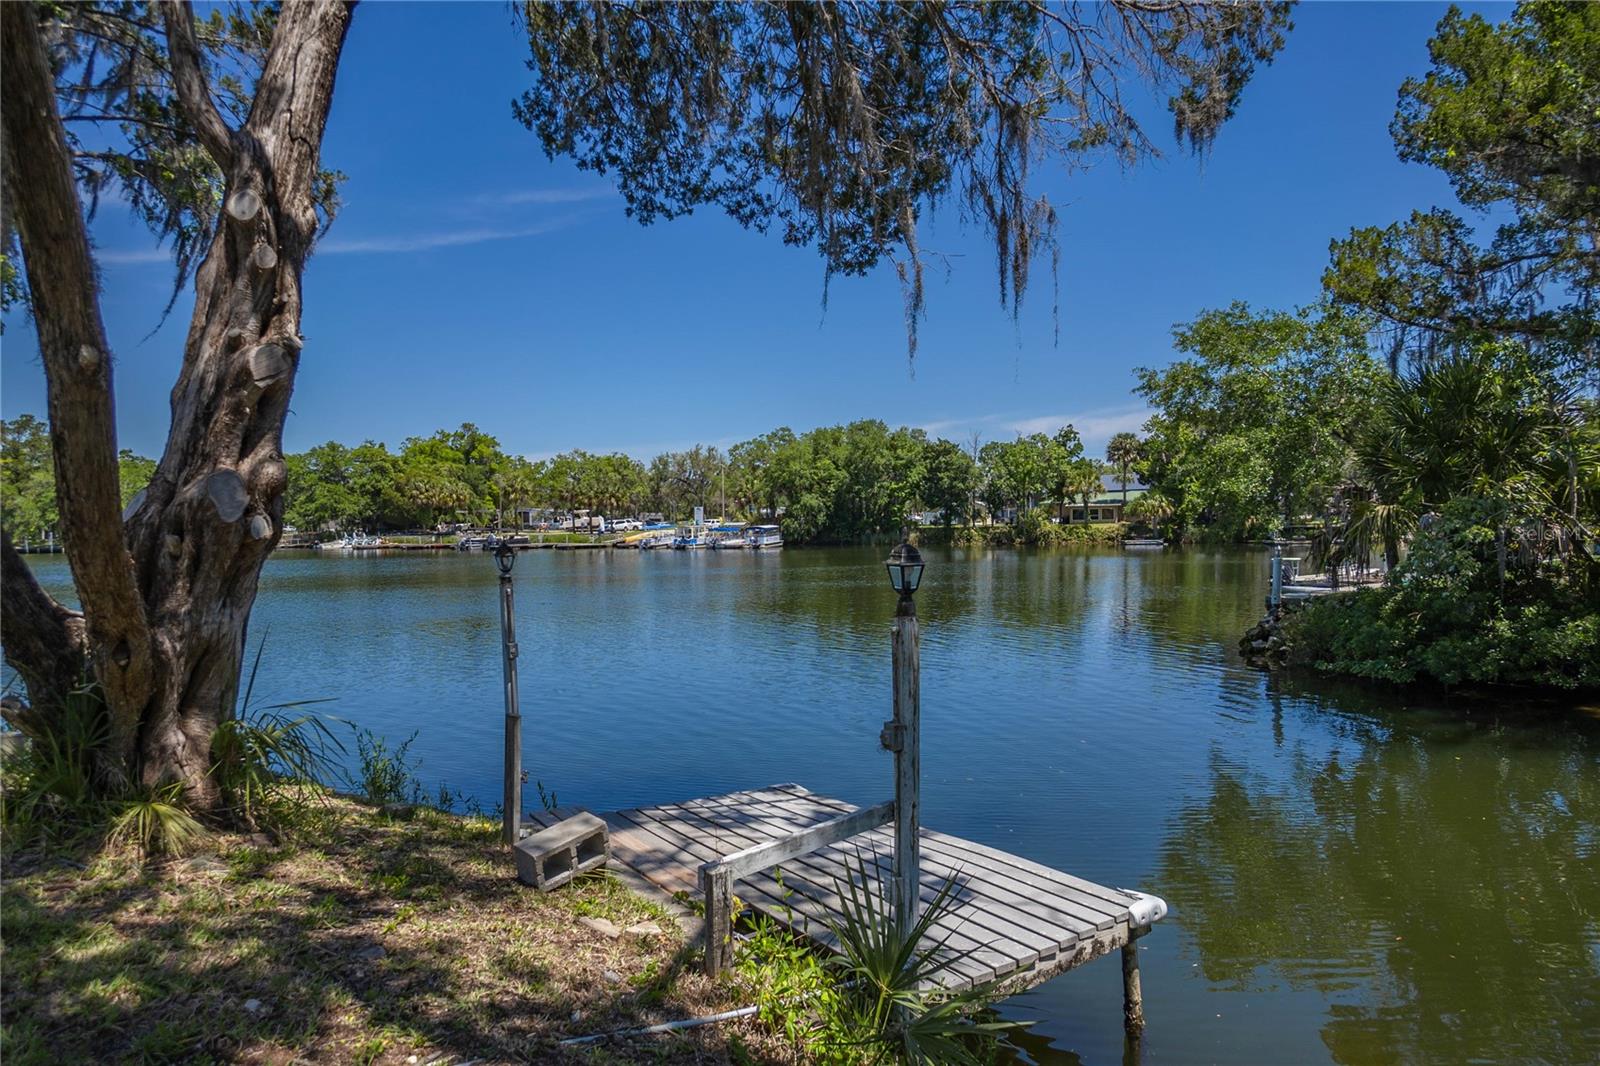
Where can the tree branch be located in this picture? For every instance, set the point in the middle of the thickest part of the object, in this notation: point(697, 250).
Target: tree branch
point(189, 78)
point(44, 641)
point(77, 365)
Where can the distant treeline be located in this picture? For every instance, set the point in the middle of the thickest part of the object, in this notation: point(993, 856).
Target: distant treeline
point(28, 479)
point(832, 484)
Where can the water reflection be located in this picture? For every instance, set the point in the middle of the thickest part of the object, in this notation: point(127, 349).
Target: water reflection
point(1431, 876)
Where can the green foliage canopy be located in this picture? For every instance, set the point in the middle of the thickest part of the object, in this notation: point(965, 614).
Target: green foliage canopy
point(126, 133)
point(1448, 615)
point(842, 123)
point(1252, 431)
point(28, 484)
point(27, 479)
point(950, 480)
point(1511, 114)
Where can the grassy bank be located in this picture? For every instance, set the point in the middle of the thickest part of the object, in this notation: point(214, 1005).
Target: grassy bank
point(1024, 534)
point(371, 940)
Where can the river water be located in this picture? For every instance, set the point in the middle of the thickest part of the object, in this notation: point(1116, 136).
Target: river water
point(1355, 876)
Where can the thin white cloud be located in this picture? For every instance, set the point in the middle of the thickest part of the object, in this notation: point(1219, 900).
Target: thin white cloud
point(962, 425)
point(1095, 425)
point(119, 256)
point(415, 242)
point(549, 196)
point(422, 242)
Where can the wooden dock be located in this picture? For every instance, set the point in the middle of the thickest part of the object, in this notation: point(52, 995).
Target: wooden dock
point(1017, 922)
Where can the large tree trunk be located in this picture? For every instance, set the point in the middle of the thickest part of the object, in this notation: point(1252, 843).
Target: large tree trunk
point(167, 588)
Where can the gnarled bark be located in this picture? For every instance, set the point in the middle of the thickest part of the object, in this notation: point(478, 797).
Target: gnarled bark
point(45, 642)
point(77, 364)
point(167, 589)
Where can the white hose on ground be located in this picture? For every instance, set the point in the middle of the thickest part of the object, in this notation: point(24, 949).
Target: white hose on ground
point(664, 1027)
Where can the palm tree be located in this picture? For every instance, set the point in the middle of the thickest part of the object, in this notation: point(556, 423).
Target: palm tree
point(1475, 423)
point(434, 493)
point(1124, 450)
point(1152, 508)
point(1086, 483)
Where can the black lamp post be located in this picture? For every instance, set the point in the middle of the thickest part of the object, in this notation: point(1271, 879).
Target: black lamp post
point(903, 734)
point(505, 557)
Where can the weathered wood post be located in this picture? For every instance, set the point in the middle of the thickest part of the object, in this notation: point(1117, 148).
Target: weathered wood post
point(717, 887)
point(505, 556)
point(907, 764)
point(1144, 912)
point(903, 736)
point(1277, 577)
point(1132, 995)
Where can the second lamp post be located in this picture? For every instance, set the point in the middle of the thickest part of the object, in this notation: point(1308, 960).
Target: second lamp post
point(510, 832)
point(903, 735)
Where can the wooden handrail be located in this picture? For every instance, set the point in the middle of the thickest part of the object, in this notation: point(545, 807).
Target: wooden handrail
point(718, 875)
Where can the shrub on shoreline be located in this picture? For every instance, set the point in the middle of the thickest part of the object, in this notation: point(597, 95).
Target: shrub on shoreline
point(1445, 616)
point(1037, 533)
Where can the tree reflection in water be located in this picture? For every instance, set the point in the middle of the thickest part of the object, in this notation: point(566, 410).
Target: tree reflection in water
point(1432, 876)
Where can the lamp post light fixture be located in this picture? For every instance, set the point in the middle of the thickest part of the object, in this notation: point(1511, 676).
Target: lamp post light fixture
point(505, 557)
point(905, 571)
point(903, 734)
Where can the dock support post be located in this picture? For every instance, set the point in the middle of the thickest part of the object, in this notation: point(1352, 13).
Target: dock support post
point(1132, 995)
point(1277, 578)
point(511, 819)
point(907, 766)
point(718, 890)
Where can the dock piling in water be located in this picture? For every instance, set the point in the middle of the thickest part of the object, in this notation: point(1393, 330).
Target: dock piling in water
point(1132, 994)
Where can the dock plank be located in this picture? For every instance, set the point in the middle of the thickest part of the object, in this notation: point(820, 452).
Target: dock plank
point(1092, 909)
point(1116, 899)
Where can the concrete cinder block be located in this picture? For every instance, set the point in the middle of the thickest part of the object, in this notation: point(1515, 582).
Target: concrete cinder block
point(551, 857)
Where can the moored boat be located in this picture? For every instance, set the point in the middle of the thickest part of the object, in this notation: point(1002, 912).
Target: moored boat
point(724, 537)
point(357, 541)
point(764, 537)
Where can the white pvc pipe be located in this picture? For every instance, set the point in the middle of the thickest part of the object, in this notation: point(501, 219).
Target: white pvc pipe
point(664, 1027)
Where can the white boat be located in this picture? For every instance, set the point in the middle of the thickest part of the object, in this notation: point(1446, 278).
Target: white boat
point(352, 542)
point(764, 537)
point(728, 537)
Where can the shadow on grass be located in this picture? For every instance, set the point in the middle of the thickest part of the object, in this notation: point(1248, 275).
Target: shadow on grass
point(385, 940)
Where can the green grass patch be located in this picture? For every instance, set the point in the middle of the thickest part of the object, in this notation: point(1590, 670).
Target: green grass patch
point(384, 940)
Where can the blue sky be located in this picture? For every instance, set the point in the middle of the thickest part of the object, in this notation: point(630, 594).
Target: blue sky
point(469, 278)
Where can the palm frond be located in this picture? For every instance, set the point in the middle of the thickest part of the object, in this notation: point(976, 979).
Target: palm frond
point(890, 977)
point(156, 822)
